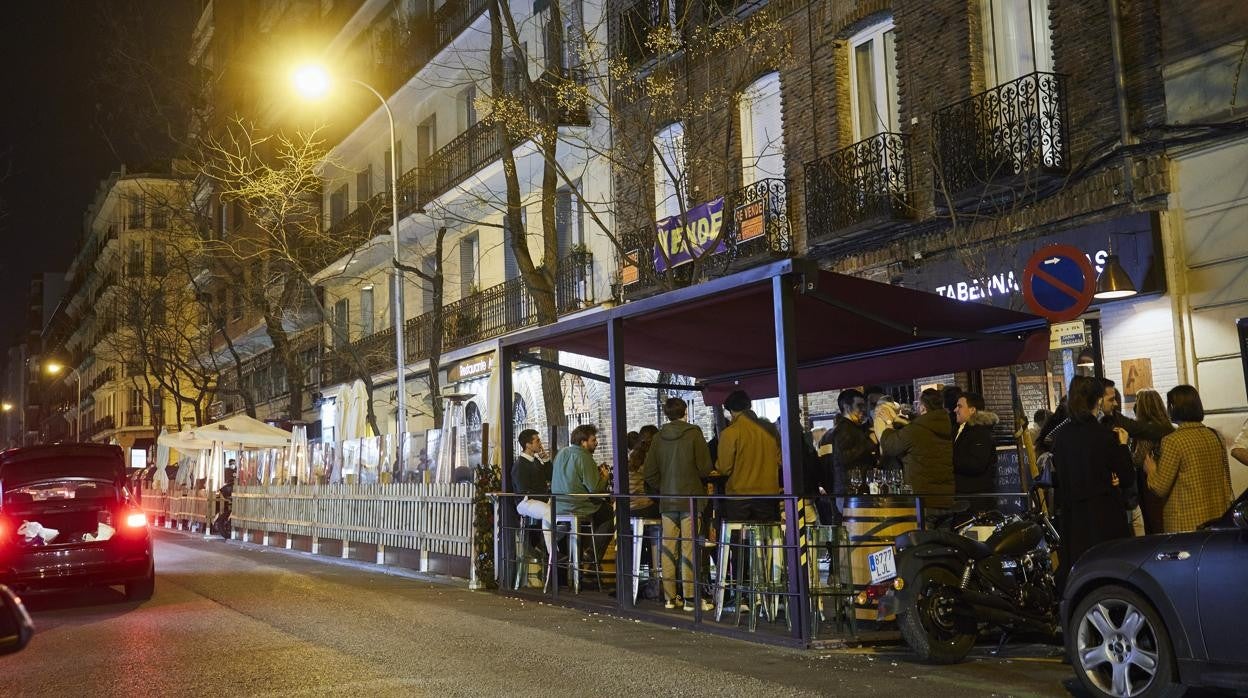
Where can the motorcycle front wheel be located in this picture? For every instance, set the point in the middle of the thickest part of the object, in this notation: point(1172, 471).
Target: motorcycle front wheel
point(926, 618)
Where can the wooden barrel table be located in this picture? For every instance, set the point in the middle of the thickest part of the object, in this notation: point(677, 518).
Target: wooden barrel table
point(873, 523)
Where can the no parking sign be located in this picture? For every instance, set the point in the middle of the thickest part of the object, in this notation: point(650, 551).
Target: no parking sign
point(1058, 282)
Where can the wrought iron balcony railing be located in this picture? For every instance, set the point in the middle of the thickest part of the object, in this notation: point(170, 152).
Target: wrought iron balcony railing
point(369, 219)
point(134, 418)
point(648, 28)
point(1002, 137)
point(471, 151)
point(867, 182)
point(756, 230)
point(574, 282)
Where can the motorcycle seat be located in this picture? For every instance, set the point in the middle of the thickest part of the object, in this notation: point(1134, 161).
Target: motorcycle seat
point(971, 548)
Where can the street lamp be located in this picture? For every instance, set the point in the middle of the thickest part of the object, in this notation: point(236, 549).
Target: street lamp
point(314, 82)
point(6, 406)
point(53, 368)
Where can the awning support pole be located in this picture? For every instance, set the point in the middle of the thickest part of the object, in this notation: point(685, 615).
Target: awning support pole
point(782, 292)
point(619, 460)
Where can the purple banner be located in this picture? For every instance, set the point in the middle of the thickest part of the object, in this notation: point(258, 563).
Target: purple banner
point(679, 244)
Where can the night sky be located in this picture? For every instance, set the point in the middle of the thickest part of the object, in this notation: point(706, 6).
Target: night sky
point(73, 113)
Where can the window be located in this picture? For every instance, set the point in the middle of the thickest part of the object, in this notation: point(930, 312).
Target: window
point(236, 215)
point(669, 171)
point(569, 219)
point(398, 163)
point(158, 308)
point(236, 305)
point(762, 135)
point(134, 258)
point(426, 140)
point(342, 318)
point(873, 80)
point(1016, 39)
point(364, 184)
point(137, 213)
point(338, 205)
point(222, 220)
point(467, 108)
point(158, 258)
point(429, 265)
point(469, 264)
point(511, 267)
point(160, 218)
point(366, 311)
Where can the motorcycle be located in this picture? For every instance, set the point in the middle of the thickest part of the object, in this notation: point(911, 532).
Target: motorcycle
point(986, 570)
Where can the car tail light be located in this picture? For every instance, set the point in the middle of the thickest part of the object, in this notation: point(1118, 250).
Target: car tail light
point(136, 520)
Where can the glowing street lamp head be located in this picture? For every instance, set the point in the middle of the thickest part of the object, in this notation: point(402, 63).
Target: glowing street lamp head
point(53, 368)
point(312, 81)
point(6, 406)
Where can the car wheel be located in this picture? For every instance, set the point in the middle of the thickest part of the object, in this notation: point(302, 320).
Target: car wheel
point(1119, 647)
point(141, 589)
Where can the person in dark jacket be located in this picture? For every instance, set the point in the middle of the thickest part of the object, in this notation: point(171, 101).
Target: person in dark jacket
point(530, 476)
point(974, 455)
point(1087, 458)
point(925, 447)
point(675, 465)
point(846, 446)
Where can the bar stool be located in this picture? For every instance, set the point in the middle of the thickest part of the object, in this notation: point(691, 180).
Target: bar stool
point(575, 525)
point(639, 534)
point(526, 553)
point(768, 572)
point(726, 554)
point(837, 586)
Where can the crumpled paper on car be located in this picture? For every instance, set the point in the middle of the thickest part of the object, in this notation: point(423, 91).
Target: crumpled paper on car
point(104, 532)
point(31, 530)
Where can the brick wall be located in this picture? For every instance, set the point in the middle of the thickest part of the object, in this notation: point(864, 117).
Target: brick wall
point(1138, 329)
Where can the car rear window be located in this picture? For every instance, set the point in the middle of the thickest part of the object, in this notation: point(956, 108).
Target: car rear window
point(60, 491)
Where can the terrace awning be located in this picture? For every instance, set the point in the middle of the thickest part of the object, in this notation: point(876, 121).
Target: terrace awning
point(847, 331)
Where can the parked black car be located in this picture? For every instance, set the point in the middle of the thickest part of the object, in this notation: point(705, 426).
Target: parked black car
point(67, 519)
point(1149, 616)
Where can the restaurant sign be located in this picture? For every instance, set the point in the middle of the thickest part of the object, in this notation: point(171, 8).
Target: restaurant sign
point(698, 235)
point(468, 369)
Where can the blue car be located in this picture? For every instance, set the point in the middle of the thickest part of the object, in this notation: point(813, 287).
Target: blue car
point(1151, 616)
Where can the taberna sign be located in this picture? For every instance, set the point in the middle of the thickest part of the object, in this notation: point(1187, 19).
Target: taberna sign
point(994, 275)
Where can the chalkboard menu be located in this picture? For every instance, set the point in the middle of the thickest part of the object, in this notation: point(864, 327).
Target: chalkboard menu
point(1009, 480)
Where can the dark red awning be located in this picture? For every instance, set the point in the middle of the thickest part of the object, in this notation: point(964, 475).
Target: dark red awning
point(723, 333)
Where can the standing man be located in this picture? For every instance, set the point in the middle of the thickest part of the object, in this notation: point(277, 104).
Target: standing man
point(846, 446)
point(749, 455)
point(925, 447)
point(974, 455)
point(574, 472)
point(531, 477)
point(677, 461)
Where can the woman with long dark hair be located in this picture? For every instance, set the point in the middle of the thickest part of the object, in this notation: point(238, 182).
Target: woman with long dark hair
point(1092, 463)
point(1150, 415)
point(1192, 476)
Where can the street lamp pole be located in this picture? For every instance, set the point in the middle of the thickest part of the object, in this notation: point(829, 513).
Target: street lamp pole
point(396, 287)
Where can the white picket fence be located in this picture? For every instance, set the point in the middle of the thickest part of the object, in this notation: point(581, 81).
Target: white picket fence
point(429, 518)
point(432, 518)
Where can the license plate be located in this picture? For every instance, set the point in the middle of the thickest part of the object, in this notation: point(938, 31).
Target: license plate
point(883, 565)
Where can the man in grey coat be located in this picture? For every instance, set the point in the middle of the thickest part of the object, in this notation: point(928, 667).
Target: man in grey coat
point(925, 447)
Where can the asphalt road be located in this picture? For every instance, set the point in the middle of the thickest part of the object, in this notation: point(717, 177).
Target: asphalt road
point(235, 620)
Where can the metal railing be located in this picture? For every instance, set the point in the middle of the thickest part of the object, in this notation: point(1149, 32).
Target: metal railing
point(574, 282)
point(472, 150)
point(1013, 130)
point(869, 181)
point(648, 28)
point(756, 230)
point(369, 219)
point(134, 418)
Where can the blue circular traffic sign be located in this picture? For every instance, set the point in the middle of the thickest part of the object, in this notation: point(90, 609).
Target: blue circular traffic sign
point(1058, 282)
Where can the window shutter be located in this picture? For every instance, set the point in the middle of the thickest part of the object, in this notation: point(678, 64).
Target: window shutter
point(511, 268)
point(563, 221)
point(429, 265)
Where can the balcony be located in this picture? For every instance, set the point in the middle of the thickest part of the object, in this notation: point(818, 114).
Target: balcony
point(368, 220)
point(375, 352)
point(104, 377)
point(574, 282)
point(469, 152)
point(755, 231)
point(1002, 143)
point(649, 29)
point(134, 418)
point(859, 188)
